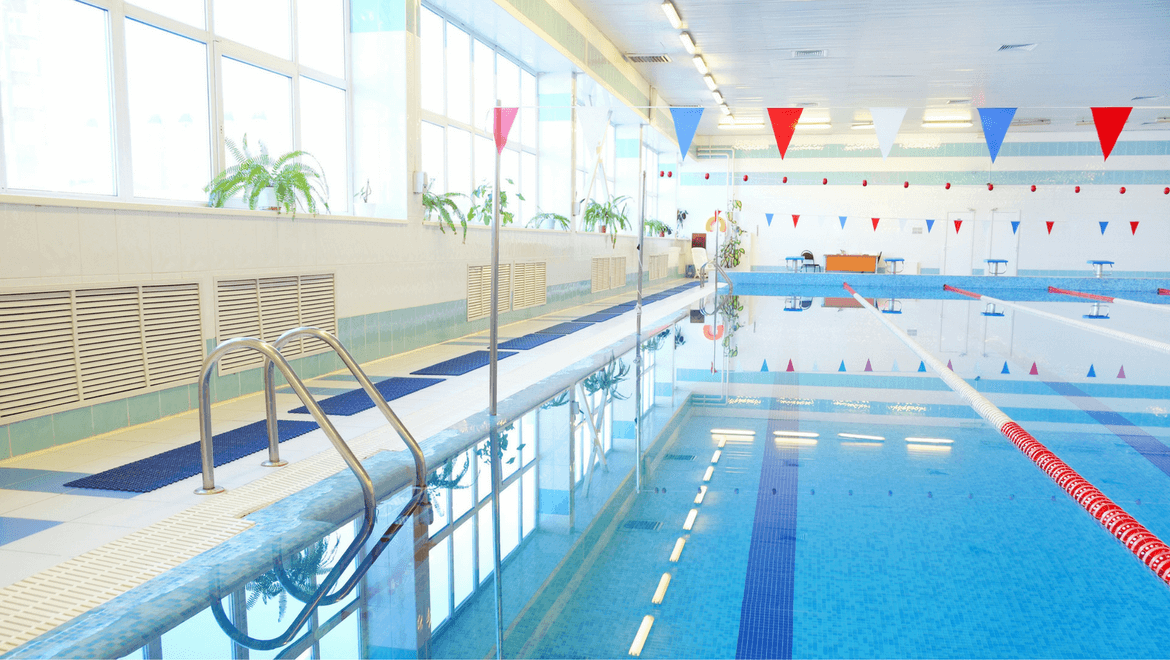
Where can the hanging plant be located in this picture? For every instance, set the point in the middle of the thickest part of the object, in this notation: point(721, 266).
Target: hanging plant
point(731, 252)
point(607, 380)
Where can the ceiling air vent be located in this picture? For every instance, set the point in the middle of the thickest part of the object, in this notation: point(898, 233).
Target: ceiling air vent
point(648, 59)
point(958, 101)
point(1007, 47)
point(811, 54)
point(806, 104)
point(1145, 98)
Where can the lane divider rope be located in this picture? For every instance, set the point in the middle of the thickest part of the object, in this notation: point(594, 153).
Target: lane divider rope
point(1109, 299)
point(1161, 347)
point(1147, 547)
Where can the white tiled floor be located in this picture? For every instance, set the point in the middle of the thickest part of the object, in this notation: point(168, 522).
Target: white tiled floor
point(90, 521)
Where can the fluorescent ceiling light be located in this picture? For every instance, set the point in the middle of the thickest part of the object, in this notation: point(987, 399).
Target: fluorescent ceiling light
point(931, 441)
point(678, 548)
point(733, 431)
point(796, 434)
point(856, 436)
point(687, 42)
point(701, 64)
point(717, 96)
point(700, 496)
point(716, 455)
point(643, 630)
point(691, 519)
point(710, 82)
point(862, 127)
point(672, 14)
point(660, 592)
point(947, 124)
point(808, 127)
point(710, 471)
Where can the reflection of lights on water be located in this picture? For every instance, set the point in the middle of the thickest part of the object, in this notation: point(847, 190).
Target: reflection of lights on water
point(858, 436)
point(795, 402)
point(931, 441)
point(796, 434)
point(856, 405)
point(928, 449)
point(1159, 411)
point(743, 400)
point(907, 407)
point(732, 432)
point(862, 444)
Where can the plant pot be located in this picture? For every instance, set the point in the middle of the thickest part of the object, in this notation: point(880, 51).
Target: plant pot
point(267, 199)
point(661, 234)
point(365, 209)
point(603, 229)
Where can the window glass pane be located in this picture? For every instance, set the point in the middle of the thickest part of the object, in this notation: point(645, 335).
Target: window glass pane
point(530, 495)
point(528, 112)
point(439, 497)
point(485, 89)
point(323, 135)
point(528, 425)
point(321, 35)
point(190, 12)
point(261, 24)
point(458, 74)
point(432, 61)
point(257, 103)
point(485, 161)
point(189, 639)
point(459, 163)
point(55, 91)
point(487, 549)
point(508, 82)
point(463, 493)
point(509, 518)
point(528, 187)
point(464, 561)
point(169, 129)
point(510, 455)
point(432, 156)
point(437, 566)
point(344, 640)
point(483, 462)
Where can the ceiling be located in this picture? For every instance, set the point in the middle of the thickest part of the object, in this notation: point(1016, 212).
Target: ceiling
point(928, 55)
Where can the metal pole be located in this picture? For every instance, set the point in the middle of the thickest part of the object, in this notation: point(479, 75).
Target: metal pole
point(638, 347)
point(493, 359)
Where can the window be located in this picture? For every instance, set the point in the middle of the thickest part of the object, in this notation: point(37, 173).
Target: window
point(261, 24)
point(169, 127)
point(484, 66)
point(323, 134)
point(321, 35)
point(458, 74)
point(55, 95)
point(190, 12)
point(432, 61)
point(257, 103)
point(432, 156)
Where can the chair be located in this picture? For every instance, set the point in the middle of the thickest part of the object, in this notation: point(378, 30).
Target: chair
point(702, 263)
point(810, 261)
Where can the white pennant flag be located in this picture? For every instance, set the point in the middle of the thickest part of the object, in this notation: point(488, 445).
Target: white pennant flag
point(594, 122)
point(902, 224)
point(886, 123)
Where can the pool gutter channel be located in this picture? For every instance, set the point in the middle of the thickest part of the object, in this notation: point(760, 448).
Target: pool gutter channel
point(117, 627)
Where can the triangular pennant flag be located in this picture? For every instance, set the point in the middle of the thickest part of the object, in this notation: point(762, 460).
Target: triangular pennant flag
point(765, 367)
point(996, 122)
point(886, 122)
point(1015, 225)
point(1103, 226)
point(594, 122)
point(875, 223)
point(868, 366)
point(921, 367)
point(686, 122)
point(842, 217)
point(1133, 227)
point(783, 126)
point(816, 367)
point(795, 218)
point(895, 367)
point(929, 225)
point(1109, 122)
point(769, 217)
point(949, 365)
point(1121, 373)
point(504, 118)
point(1034, 371)
point(1050, 223)
point(1092, 372)
point(842, 367)
point(958, 223)
point(1005, 369)
point(790, 367)
point(902, 224)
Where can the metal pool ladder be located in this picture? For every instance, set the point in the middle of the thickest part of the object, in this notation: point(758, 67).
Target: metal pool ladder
point(419, 502)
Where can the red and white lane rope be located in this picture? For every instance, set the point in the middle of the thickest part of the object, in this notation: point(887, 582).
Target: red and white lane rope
point(1101, 330)
point(1109, 299)
point(1140, 541)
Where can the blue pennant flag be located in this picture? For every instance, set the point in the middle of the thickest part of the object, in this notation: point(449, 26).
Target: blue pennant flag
point(842, 367)
point(929, 225)
point(1092, 373)
point(1103, 226)
point(765, 367)
point(1015, 225)
point(996, 122)
point(842, 220)
point(1005, 369)
point(895, 367)
point(921, 367)
point(769, 215)
point(686, 122)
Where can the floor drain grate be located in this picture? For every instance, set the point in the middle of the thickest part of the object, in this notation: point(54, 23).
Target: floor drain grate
point(644, 525)
point(679, 457)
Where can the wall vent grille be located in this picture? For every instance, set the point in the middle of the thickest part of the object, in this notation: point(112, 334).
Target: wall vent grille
point(61, 348)
point(648, 59)
point(479, 291)
point(269, 306)
point(659, 264)
point(809, 54)
point(1007, 47)
point(531, 285)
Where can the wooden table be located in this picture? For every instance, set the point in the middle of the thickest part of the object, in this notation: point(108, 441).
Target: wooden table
point(852, 263)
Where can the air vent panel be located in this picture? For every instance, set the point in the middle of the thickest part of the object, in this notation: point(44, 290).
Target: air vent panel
point(809, 54)
point(649, 59)
point(642, 525)
point(1009, 47)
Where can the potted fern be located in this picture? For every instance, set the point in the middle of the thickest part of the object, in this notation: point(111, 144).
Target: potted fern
point(558, 221)
point(364, 208)
point(293, 183)
point(445, 209)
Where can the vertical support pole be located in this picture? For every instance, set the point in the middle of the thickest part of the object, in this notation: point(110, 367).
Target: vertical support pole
point(573, 407)
point(494, 395)
point(638, 345)
point(238, 600)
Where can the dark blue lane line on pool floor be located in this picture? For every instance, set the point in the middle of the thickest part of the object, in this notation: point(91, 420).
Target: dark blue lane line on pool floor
point(1143, 443)
point(355, 401)
point(765, 620)
point(461, 365)
point(170, 466)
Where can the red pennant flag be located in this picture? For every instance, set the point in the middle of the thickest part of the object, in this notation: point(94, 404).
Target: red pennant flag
point(790, 366)
point(1133, 227)
point(868, 366)
point(1034, 371)
point(794, 219)
point(1109, 122)
point(1050, 223)
point(504, 117)
point(875, 221)
point(1121, 374)
point(783, 126)
point(958, 223)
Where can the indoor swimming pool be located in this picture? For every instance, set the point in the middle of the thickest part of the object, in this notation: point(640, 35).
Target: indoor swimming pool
point(810, 489)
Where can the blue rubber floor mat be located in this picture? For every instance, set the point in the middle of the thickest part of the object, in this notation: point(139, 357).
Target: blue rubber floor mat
point(355, 401)
point(170, 466)
point(597, 317)
point(528, 341)
point(461, 365)
point(563, 329)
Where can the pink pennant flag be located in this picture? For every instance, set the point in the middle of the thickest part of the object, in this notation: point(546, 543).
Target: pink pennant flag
point(504, 118)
